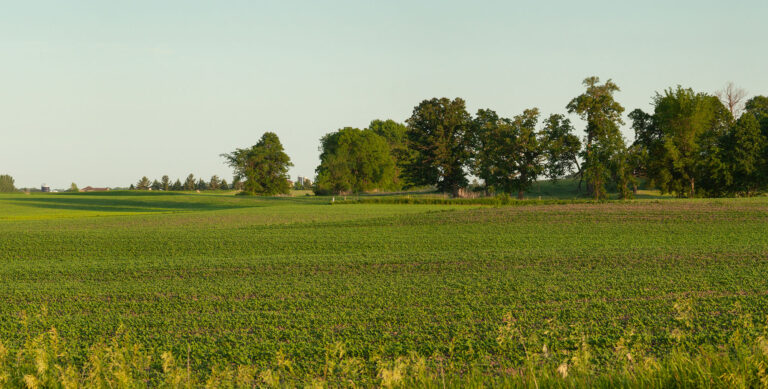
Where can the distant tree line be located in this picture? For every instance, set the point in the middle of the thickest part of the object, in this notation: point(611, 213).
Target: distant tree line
point(165, 184)
point(693, 144)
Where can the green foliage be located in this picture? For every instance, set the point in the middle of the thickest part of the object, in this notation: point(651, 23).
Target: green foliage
point(263, 167)
point(214, 183)
point(273, 285)
point(561, 147)
point(744, 155)
point(510, 153)
point(603, 141)
point(201, 185)
point(156, 185)
point(73, 188)
point(165, 183)
point(143, 183)
point(352, 160)
point(440, 145)
point(396, 135)
point(7, 184)
point(177, 186)
point(189, 184)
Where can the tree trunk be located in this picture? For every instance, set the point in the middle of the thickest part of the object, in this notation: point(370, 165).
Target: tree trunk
point(520, 194)
point(692, 189)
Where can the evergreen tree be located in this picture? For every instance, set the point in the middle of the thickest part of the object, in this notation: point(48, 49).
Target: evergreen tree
point(224, 185)
point(143, 183)
point(189, 184)
point(156, 185)
point(177, 186)
point(201, 185)
point(165, 183)
point(214, 183)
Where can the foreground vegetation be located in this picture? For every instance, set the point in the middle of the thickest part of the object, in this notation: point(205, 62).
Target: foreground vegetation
point(182, 289)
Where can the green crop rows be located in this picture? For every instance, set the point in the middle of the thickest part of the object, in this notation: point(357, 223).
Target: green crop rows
point(232, 280)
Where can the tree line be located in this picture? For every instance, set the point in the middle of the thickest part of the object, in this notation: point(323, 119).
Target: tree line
point(692, 144)
point(191, 183)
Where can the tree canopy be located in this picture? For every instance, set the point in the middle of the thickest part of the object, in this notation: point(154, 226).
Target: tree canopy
point(263, 168)
point(604, 142)
point(354, 160)
point(7, 184)
point(437, 136)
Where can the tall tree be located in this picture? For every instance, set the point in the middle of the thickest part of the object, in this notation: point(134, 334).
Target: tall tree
point(602, 113)
point(263, 167)
point(189, 184)
point(7, 184)
point(758, 106)
point(355, 160)
point(143, 183)
point(437, 137)
point(745, 145)
point(214, 183)
point(510, 153)
point(224, 185)
point(684, 118)
point(165, 183)
point(156, 185)
point(177, 185)
point(201, 185)
point(396, 136)
point(73, 188)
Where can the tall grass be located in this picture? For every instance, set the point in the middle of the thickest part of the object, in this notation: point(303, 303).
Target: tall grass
point(45, 361)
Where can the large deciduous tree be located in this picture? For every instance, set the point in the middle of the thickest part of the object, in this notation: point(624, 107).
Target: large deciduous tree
point(561, 147)
point(509, 153)
point(684, 119)
point(602, 113)
point(744, 147)
point(354, 160)
point(263, 167)
point(437, 137)
point(396, 135)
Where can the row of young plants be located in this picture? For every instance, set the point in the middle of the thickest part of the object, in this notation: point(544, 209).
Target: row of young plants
point(560, 359)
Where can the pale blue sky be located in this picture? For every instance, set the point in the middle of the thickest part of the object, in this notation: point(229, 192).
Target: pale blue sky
point(103, 92)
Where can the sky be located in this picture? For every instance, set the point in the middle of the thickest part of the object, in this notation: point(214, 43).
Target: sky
point(101, 93)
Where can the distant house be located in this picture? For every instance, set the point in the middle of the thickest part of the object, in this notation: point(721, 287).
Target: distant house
point(92, 189)
point(45, 188)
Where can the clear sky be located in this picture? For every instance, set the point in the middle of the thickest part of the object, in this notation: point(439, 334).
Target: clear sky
point(104, 92)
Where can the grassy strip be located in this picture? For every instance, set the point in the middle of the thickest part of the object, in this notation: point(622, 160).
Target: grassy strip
point(45, 360)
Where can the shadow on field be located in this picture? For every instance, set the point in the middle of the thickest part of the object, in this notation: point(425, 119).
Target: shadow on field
point(109, 204)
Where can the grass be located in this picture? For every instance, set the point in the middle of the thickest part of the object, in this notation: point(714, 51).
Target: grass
point(386, 293)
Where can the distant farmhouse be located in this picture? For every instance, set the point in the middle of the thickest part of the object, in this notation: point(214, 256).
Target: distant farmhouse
point(45, 188)
point(92, 189)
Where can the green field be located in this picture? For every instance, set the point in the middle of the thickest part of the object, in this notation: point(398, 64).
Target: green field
point(473, 292)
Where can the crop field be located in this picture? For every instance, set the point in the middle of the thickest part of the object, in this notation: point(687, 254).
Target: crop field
point(302, 291)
